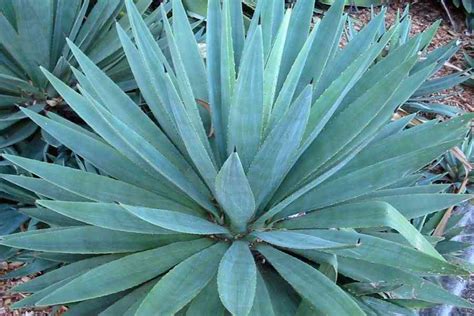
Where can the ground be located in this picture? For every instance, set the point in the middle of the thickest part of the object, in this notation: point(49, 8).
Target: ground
point(424, 13)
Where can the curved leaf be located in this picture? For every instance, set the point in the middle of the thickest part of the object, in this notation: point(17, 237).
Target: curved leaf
point(363, 215)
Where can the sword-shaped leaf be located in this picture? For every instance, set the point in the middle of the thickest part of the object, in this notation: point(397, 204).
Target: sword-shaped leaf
point(377, 250)
point(105, 215)
point(276, 156)
point(123, 273)
point(92, 186)
point(234, 194)
point(294, 240)
point(86, 240)
point(179, 286)
point(311, 284)
point(363, 215)
point(237, 279)
point(176, 221)
point(246, 110)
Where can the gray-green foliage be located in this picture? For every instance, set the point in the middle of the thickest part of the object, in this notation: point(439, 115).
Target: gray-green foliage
point(33, 33)
point(292, 195)
point(456, 170)
point(427, 97)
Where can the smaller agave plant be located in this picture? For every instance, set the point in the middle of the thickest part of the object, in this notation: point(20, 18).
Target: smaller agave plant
point(458, 165)
point(296, 199)
point(33, 33)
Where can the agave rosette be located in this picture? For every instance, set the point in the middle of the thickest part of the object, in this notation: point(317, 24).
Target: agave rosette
point(33, 33)
point(292, 194)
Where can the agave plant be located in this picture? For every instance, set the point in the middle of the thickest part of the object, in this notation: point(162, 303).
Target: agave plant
point(14, 198)
point(297, 198)
point(459, 166)
point(34, 33)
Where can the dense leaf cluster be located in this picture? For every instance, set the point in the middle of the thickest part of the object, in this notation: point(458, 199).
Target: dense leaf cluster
point(263, 177)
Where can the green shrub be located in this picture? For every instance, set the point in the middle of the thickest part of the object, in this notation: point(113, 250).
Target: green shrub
point(292, 194)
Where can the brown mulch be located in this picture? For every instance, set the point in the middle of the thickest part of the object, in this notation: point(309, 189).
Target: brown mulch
point(6, 298)
point(423, 13)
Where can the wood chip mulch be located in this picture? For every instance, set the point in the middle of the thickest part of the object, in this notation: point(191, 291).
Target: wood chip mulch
point(7, 298)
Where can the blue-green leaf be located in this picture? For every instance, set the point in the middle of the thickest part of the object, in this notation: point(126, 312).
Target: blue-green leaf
point(237, 279)
point(176, 221)
point(234, 193)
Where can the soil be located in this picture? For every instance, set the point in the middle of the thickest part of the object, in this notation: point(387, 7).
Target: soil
point(423, 13)
point(6, 298)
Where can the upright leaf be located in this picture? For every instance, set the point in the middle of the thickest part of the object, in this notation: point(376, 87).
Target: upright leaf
point(246, 111)
point(234, 194)
point(276, 155)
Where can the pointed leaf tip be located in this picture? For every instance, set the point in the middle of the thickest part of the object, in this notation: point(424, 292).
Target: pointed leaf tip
point(234, 194)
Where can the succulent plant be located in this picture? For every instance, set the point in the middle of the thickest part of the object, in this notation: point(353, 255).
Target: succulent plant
point(33, 33)
point(264, 178)
point(458, 165)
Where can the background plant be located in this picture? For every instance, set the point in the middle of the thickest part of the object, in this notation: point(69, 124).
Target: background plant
point(468, 7)
point(293, 194)
point(470, 64)
point(47, 24)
